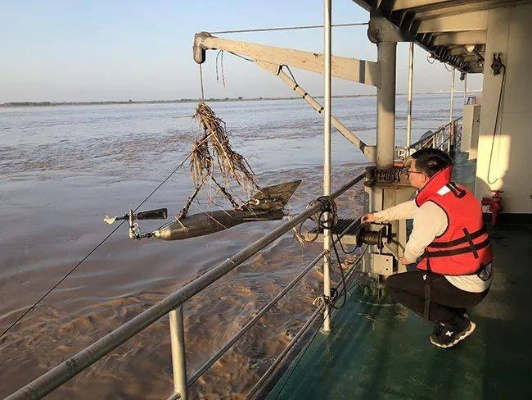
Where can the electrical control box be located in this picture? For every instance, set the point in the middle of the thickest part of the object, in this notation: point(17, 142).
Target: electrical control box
point(382, 264)
point(470, 130)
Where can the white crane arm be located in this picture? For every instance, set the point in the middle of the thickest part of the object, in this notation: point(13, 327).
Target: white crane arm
point(351, 69)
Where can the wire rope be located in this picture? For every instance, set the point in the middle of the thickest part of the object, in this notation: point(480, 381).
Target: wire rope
point(288, 28)
point(201, 83)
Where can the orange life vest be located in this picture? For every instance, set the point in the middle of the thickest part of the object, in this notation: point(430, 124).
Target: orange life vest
point(464, 248)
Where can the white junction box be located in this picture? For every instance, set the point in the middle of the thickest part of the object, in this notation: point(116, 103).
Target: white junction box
point(382, 264)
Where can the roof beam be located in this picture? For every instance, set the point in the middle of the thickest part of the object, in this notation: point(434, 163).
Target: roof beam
point(464, 6)
point(406, 4)
point(472, 21)
point(447, 39)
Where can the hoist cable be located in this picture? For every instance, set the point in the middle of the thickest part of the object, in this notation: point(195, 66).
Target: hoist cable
point(60, 281)
point(288, 28)
point(201, 83)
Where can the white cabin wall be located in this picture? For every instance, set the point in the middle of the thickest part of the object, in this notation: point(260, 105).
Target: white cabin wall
point(510, 167)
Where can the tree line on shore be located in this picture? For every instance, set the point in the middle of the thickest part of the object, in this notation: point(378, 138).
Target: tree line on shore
point(90, 103)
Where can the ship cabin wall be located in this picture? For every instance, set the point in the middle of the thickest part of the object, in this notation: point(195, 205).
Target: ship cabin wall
point(505, 159)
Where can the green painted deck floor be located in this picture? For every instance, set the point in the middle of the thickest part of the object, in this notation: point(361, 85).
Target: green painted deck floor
point(382, 351)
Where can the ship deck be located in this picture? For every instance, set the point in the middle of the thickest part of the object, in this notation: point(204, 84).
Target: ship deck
point(381, 350)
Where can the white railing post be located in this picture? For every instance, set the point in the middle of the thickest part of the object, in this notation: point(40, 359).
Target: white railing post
point(452, 107)
point(177, 338)
point(410, 90)
point(327, 161)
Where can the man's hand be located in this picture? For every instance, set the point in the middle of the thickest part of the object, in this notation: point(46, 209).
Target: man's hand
point(367, 218)
point(405, 262)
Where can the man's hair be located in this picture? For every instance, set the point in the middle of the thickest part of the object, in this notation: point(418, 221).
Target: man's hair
point(431, 161)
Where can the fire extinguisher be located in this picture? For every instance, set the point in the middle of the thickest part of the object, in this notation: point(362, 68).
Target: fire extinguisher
point(495, 205)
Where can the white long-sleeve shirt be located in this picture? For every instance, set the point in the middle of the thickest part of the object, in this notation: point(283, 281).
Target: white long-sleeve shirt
point(430, 221)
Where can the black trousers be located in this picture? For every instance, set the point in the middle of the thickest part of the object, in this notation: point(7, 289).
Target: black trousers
point(447, 302)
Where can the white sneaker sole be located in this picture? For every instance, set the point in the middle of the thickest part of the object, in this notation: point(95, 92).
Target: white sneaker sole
point(465, 334)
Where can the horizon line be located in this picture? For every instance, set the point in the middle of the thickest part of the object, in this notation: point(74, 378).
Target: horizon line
point(30, 103)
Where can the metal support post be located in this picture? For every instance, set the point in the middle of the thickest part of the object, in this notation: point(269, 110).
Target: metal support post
point(465, 89)
point(410, 89)
point(386, 104)
point(386, 197)
point(327, 161)
point(385, 36)
point(451, 133)
point(179, 364)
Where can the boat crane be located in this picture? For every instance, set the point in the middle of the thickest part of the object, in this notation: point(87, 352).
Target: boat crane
point(385, 186)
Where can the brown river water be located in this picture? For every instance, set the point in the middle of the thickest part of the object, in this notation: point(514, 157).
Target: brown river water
point(62, 169)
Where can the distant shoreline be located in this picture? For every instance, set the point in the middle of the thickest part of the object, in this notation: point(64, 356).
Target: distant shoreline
point(13, 104)
point(96, 103)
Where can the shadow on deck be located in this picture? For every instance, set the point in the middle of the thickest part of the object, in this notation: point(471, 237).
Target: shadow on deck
point(379, 350)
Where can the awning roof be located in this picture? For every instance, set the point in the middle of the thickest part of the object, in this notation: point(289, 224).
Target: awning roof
point(452, 31)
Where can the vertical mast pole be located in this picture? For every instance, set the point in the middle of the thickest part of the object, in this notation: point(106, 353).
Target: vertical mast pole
point(327, 160)
point(386, 104)
point(452, 97)
point(410, 89)
point(465, 89)
point(451, 126)
point(385, 36)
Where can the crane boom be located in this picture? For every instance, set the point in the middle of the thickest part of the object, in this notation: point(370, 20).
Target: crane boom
point(351, 69)
point(272, 59)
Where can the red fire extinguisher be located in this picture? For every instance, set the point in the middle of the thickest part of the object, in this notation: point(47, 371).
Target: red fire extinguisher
point(495, 205)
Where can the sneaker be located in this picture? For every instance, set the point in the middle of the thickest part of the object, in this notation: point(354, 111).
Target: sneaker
point(438, 327)
point(449, 335)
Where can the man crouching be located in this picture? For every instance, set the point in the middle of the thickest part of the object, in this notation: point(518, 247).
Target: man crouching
point(448, 242)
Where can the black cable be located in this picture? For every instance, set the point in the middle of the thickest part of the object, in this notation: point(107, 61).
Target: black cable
point(60, 281)
point(316, 218)
point(329, 207)
point(339, 240)
point(344, 285)
point(503, 83)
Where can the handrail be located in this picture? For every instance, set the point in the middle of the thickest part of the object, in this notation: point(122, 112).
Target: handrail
point(65, 371)
point(260, 313)
point(301, 332)
point(440, 130)
point(252, 322)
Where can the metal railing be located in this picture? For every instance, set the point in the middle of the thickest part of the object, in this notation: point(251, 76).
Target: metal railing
point(172, 305)
point(446, 138)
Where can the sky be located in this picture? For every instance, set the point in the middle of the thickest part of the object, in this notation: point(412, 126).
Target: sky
point(117, 50)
